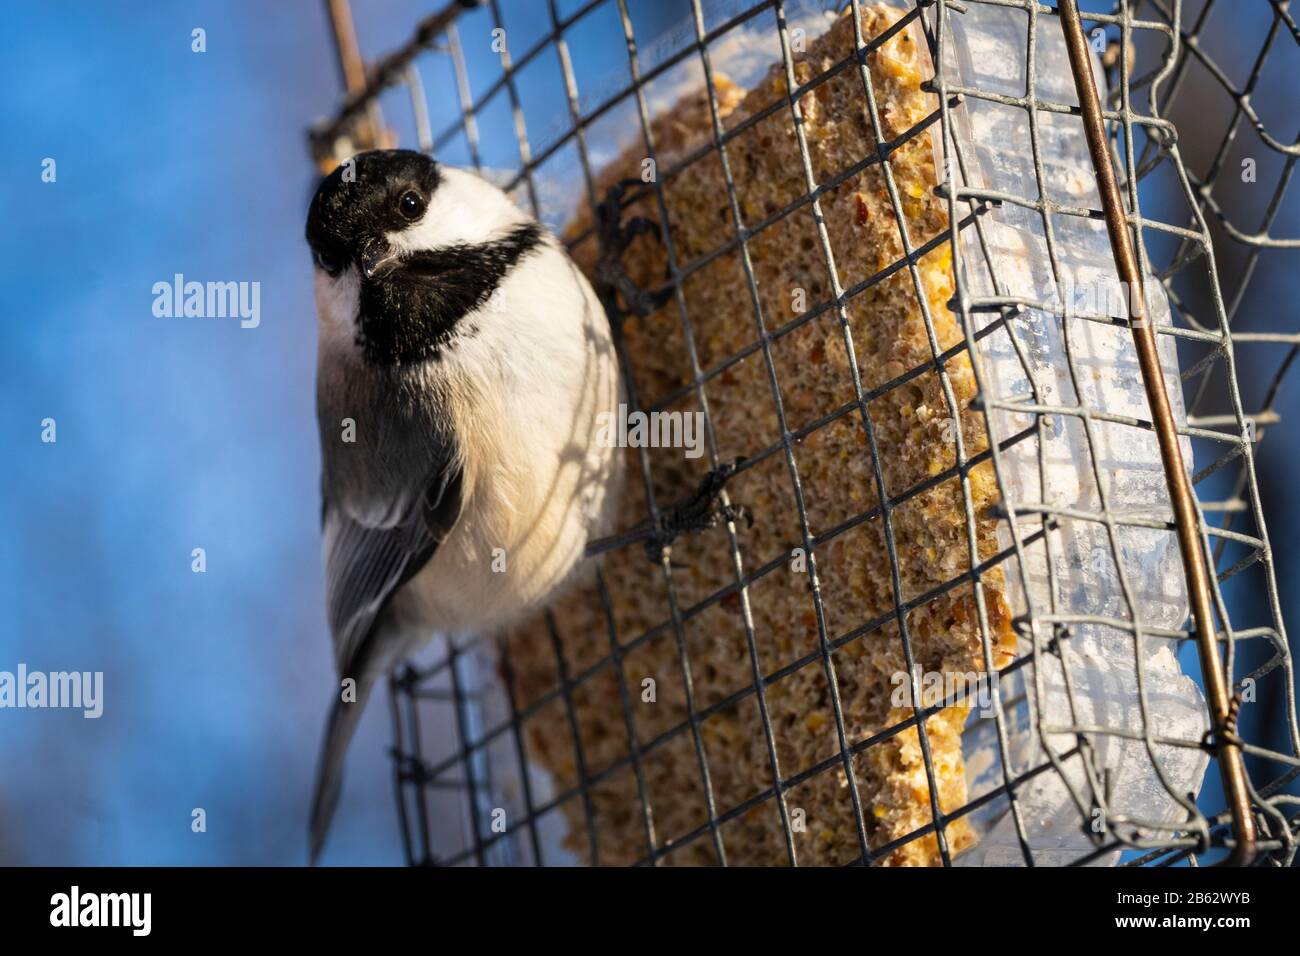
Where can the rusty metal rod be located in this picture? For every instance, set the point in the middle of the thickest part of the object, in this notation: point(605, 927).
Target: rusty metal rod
point(1231, 763)
point(364, 88)
point(352, 68)
point(368, 131)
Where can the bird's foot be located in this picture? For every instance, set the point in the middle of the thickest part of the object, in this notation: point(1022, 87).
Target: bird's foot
point(615, 236)
point(700, 512)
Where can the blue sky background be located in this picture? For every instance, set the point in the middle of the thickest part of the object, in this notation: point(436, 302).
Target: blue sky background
point(182, 433)
point(176, 433)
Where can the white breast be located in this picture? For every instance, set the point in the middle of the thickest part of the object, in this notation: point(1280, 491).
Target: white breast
point(527, 389)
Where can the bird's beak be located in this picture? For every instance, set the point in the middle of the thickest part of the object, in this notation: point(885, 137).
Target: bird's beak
point(376, 259)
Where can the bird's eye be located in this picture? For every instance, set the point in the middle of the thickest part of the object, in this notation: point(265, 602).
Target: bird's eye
point(411, 205)
point(327, 262)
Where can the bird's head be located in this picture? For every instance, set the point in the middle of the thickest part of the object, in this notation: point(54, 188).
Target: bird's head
point(404, 248)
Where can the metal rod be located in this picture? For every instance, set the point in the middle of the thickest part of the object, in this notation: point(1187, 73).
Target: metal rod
point(1231, 763)
point(352, 70)
point(368, 132)
point(364, 88)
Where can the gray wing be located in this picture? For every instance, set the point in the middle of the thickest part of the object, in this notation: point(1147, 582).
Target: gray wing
point(365, 565)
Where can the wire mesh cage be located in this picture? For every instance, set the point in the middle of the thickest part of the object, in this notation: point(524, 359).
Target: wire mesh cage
point(953, 338)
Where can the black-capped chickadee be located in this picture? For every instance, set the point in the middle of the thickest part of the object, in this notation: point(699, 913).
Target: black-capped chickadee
point(463, 364)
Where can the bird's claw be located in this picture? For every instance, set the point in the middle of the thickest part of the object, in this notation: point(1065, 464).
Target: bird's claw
point(700, 512)
point(615, 236)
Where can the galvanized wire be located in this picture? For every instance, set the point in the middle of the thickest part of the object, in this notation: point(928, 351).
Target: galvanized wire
point(1169, 55)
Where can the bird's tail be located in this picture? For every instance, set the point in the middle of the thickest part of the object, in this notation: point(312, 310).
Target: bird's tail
point(340, 727)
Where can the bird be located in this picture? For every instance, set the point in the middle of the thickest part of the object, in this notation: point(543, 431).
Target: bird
point(463, 366)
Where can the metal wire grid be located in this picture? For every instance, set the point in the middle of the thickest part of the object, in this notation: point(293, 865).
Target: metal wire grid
point(1211, 360)
point(1142, 143)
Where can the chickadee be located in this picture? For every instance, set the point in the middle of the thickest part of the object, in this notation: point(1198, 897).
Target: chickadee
point(463, 365)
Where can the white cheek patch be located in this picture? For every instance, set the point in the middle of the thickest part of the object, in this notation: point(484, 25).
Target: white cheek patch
point(464, 209)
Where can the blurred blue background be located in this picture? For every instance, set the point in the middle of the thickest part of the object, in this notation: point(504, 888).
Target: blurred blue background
point(175, 434)
point(183, 433)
